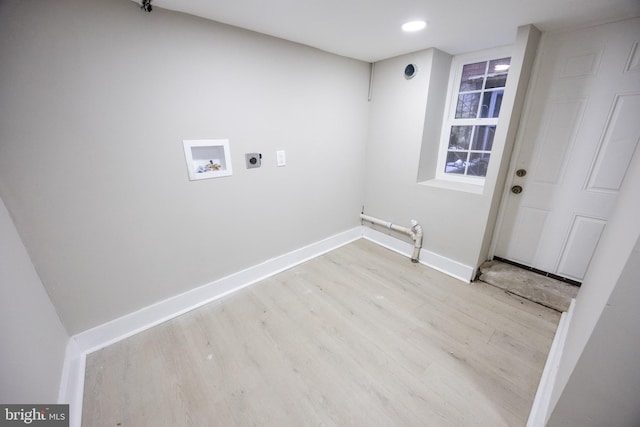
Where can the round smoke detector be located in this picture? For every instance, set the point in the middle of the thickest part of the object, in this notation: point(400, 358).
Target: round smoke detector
point(410, 71)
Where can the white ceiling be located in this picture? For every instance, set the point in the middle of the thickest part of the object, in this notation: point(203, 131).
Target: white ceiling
point(369, 30)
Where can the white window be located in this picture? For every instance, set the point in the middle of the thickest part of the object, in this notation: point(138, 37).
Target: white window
point(476, 89)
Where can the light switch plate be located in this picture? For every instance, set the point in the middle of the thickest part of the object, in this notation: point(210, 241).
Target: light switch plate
point(281, 158)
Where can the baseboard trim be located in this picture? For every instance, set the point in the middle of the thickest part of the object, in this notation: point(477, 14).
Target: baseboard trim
point(433, 260)
point(72, 382)
point(540, 408)
point(101, 336)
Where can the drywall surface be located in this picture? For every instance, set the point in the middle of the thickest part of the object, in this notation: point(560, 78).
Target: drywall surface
point(434, 114)
point(33, 341)
point(396, 126)
point(95, 100)
point(404, 137)
point(604, 387)
point(598, 379)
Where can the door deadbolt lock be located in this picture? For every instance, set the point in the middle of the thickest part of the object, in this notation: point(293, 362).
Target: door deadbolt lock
point(516, 189)
point(521, 172)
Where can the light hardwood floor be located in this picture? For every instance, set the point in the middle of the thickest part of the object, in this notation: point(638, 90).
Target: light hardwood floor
point(357, 337)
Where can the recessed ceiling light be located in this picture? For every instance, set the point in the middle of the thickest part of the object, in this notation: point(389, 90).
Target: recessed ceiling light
point(413, 26)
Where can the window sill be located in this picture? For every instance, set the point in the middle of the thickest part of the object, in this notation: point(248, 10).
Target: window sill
point(454, 185)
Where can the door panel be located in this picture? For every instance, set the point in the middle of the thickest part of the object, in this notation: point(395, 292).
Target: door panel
point(580, 127)
point(531, 223)
point(617, 145)
point(560, 127)
point(584, 236)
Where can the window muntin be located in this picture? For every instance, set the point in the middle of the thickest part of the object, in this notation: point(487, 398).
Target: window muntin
point(470, 129)
point(469, 150)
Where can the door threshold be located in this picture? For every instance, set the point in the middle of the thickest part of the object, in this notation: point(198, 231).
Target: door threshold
point(541, 272)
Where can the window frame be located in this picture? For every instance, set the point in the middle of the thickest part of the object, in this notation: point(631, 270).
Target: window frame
point(457, 64)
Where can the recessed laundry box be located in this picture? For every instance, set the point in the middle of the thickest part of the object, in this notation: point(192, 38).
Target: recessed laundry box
point(207, 158)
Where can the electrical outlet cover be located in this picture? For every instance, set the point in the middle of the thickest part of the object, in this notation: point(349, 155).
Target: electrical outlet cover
point(254, 160)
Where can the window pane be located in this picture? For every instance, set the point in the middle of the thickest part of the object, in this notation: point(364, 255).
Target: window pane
point(497, 73)
point(460, 137)
point(496, 80)
point(491, 102)
point(482, 138)
point(478, 98)
point(467, 107)
point(456, 162)
point(499, 65)
point(478, 163)
point(473, 76)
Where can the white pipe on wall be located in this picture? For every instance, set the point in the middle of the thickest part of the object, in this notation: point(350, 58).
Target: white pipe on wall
point(415, 232)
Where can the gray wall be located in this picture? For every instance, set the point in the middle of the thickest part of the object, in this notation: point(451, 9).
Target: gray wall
point(404, 138)
point(598, 379)
point(396, 126)
point(95, 100)
point(33, 341)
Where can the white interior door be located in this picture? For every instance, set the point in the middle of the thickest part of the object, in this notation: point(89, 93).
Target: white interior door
point(580, 128)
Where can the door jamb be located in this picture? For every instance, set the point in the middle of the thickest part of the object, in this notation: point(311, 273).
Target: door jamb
point(517, 147)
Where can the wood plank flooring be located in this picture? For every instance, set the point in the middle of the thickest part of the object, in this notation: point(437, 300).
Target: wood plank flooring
point(357, 337)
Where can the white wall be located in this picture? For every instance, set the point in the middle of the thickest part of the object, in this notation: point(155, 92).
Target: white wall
point(598, 379)
point(95, 100)
point(33, 341)
point(397, 121)
point(404, 137)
